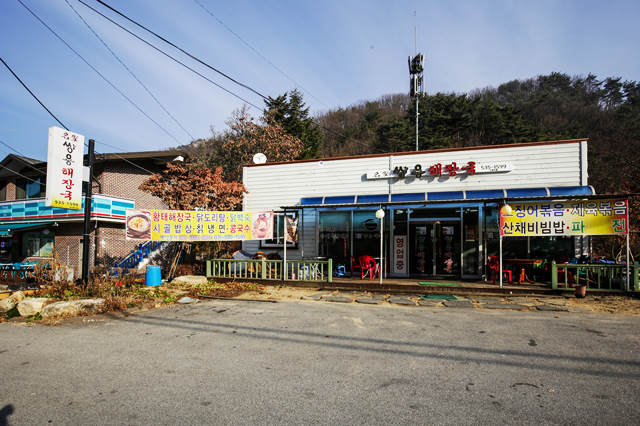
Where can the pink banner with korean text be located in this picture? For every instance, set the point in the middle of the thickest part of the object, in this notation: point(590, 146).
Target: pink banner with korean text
point(173, 225)
point(566, 218)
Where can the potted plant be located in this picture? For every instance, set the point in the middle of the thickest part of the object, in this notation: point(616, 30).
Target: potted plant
point(581, 290)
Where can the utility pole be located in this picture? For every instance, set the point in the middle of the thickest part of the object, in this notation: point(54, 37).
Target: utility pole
point(416, 68)
point(86, 244)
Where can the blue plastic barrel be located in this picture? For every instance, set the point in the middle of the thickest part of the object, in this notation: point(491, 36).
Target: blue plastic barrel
point(153, 277)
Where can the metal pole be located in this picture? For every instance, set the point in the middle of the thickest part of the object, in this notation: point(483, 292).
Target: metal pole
point(284, 262)
point(628, 276)
point(381, 244)
point(500, 261)
point(417, 120)
point(87, 218)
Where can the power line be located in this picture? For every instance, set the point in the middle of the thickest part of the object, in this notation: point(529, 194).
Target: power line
point(23, 162)
point(130, 72)
point(169, 56)
point(180, 49)
point(34, 96)
point(97, 72)
point(205, 64)
point(258, 53)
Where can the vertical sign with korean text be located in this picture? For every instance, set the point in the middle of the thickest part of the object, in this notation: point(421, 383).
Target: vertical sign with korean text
point(566, 218)
point(400, 257)
point(64, 169)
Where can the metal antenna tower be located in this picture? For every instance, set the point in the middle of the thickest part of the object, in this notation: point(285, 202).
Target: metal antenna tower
point(416, 68)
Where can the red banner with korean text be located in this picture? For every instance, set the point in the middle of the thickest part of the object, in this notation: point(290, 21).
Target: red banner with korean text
point(173, 225)
point(566, 218)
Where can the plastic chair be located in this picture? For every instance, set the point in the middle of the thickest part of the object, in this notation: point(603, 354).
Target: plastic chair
point(494, 266)
point(369, 266)
point(355, 265)
point(561, 271)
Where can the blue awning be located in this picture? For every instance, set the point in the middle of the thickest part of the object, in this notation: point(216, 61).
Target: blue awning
point(12, 227)
point(475, 195)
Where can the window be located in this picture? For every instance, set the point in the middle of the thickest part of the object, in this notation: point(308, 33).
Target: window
point(278, 231)
point(30, 188)
point(3, 190)
point(37, 244)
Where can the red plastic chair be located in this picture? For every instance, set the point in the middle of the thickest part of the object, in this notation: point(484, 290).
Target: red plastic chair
point(494, 266)
point(355, 265)
point(561, 271)
point(368, 266)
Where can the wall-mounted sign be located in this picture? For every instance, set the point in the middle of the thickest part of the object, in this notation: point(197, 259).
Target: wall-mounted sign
point(558, 218)
point(371, 225)
point(64, 169)
point(440, 170)
point(173, 225)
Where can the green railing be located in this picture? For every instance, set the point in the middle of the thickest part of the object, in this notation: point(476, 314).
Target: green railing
point(266, 269)
point(596, 276)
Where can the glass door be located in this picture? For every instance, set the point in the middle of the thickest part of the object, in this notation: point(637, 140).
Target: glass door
point(447, 250)
point(435, 248)
point(421, 242)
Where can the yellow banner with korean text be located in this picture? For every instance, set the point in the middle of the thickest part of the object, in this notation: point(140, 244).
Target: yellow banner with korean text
point(173, 225)
point(566, 218)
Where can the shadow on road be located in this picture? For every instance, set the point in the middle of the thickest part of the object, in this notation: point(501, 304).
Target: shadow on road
point(5, 412)
point(549, 361)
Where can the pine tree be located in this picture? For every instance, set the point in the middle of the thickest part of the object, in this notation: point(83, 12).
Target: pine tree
point(294, 119)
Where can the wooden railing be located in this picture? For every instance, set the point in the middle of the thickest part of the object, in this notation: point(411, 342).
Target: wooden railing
point(266, 269)
point(596, 276)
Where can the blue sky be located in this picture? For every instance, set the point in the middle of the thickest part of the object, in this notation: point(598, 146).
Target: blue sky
point(336, 52)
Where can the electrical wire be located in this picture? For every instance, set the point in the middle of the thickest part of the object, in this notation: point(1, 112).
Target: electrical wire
point(207, 65)
point(258, 53)
point(97, 72)
point(130, 72)
point(34, 96)
point(19, 174)
point(179, 48)
point(170, 57)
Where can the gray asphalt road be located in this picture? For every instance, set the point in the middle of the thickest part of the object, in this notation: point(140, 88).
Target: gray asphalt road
point(304, 362)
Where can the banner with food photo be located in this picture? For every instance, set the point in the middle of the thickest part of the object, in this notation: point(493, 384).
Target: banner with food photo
point(138, 225)
point(174, 225)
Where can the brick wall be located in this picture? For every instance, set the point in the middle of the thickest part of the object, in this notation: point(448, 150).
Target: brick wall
point(122, 179)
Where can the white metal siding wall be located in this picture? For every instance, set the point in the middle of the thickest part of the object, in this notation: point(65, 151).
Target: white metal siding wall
point(273, 185)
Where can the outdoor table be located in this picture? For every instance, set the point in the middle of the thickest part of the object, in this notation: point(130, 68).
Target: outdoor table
point(379, 263)
point(523, 263)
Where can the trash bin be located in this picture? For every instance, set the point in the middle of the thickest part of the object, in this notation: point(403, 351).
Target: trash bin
point(153, 277)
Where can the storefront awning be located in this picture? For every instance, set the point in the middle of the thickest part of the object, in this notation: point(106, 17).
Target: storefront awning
point(6, 229)
point(447, 196)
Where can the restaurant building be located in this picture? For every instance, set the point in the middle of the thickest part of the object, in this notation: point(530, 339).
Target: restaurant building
point(30, 231)
point(441, 207)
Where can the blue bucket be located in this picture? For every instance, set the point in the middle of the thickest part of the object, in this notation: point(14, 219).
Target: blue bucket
point(153, 277)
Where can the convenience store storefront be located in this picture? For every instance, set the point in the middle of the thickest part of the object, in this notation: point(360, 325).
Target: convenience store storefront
point(441, 208)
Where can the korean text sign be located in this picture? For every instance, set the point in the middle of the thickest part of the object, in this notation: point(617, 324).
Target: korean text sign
point(64, 169)
point(568, 218)
point(173, 225)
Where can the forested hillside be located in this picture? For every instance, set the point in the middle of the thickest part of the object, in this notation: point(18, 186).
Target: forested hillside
point(544, 108)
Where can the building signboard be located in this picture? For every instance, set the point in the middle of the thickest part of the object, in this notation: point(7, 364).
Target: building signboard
point(440, 170)
point(173, 225)
point(566, 218)
point(64, 169)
